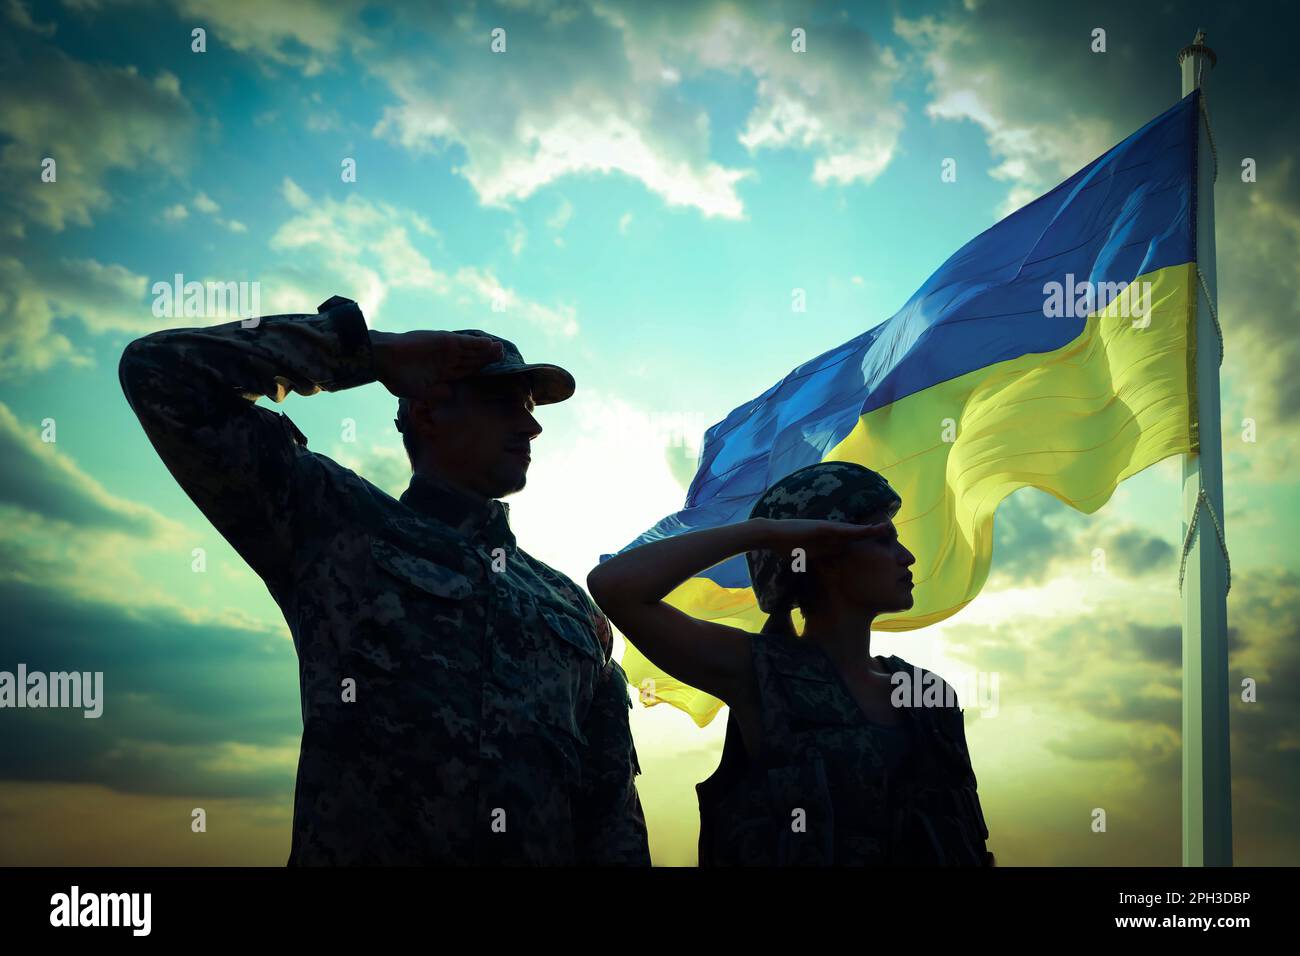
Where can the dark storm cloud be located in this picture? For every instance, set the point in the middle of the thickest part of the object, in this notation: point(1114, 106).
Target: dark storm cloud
point(175, 692)
point(38, 478)
point(1037, 538)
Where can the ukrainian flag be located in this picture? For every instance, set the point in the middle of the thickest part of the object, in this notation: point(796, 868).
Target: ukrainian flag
point(1056, 349)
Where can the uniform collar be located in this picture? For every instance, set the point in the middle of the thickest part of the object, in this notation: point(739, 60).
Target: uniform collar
point(482, 521)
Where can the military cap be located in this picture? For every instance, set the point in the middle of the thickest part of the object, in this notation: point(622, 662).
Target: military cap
point(550, 383)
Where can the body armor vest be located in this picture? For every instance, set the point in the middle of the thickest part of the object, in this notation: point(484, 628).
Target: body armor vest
point(822, 794)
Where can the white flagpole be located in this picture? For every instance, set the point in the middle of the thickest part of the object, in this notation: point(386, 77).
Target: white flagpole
point(1207, 774)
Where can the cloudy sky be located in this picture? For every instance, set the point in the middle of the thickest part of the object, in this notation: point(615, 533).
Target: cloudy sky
point(641, 187)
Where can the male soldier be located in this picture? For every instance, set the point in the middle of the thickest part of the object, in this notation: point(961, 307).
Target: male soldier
point(459, 702)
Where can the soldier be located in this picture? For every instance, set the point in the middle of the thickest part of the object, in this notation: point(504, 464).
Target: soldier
point(819, 767)
point(459, 701)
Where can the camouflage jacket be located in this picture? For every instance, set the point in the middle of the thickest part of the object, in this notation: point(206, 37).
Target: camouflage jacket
point(821, 793)
point(459, 702)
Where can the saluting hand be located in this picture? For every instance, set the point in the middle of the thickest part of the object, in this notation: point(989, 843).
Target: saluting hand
point(815, 536)
point(420, 364)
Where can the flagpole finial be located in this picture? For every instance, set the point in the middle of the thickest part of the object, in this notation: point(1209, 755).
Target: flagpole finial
point(1198, 46)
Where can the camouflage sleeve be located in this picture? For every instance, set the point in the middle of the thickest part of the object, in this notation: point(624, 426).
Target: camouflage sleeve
point(611, 826)
point(195, 393)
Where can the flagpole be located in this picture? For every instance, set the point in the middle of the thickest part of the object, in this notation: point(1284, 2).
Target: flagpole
point(1207, 776)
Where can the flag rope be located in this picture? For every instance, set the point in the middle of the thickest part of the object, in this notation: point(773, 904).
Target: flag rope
point(1205, 111)
point(1214, 313)
point(1203, 499)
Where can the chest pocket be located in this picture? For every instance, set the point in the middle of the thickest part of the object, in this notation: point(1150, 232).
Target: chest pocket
point(563, 625)
point(544, 665)
point(804, 708)
point(444, 580)
point(565, 661)
point(423, 612)
point(814, 702)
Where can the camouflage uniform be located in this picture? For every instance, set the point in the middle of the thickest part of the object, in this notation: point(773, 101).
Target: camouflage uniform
point(822, 756)
point(490, 724)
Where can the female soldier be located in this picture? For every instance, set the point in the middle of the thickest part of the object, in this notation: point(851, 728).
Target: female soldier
point(820, 765)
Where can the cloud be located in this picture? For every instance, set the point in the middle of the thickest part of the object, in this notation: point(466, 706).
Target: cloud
point(620, 106)
point(472, 285)
point(203, 203)
point(516, 238)
point(19, 13)
point(206, 205)
point(560, 218)
point(369, 245)
point(33, 297)
point(1134, 552)
point(805, 100)
point(576, 131)
point(357, 246)
point(549, 113)
point(539, 111)
point(1038, 539)
point(378, 226)
point(92, 120)
point(304, 36)
point(1031, 529)
point(36, 476)
point(1259, 296)
point(1037, 131)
